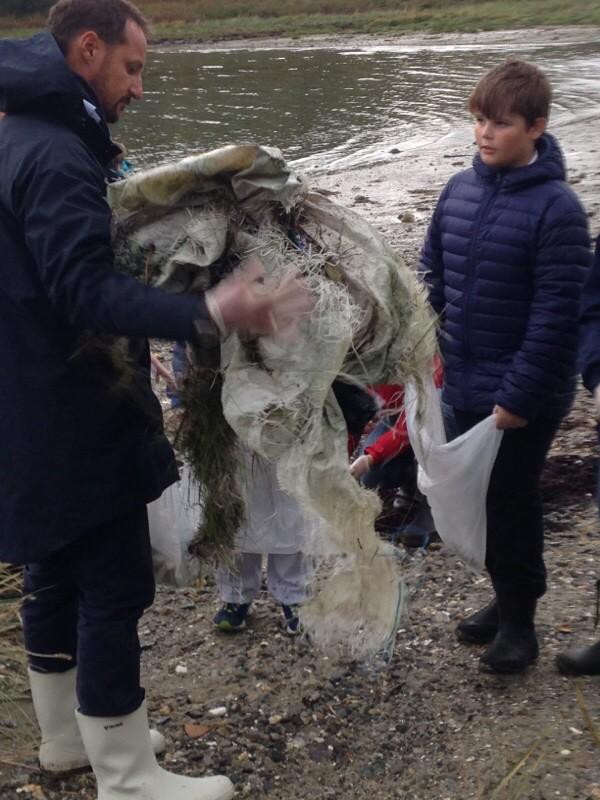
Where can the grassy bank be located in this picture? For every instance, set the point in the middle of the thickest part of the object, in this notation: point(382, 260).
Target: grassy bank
point(223, 19)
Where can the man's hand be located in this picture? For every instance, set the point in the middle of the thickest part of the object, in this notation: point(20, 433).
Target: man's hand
point(361, 466)
point(240, 302)
point(506, 420)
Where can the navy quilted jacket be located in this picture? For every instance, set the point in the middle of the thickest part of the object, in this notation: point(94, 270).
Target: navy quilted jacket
point(505, 259)
point(589, 334)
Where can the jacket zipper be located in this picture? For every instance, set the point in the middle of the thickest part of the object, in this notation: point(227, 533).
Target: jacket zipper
point(466, 386)
point(471, 264)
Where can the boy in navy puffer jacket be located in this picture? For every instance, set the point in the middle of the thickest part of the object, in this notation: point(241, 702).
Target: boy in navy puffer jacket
point(505, 258)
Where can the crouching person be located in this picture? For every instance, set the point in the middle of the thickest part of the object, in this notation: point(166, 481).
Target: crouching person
point(386, 461)
point(80, 456)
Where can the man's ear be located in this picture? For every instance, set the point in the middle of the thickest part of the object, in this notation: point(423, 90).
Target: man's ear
point(85, 53)
point(538, 128)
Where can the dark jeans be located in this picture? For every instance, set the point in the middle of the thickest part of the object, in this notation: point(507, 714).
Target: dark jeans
point(179, 365)
point(515, 534)
point(82, 608)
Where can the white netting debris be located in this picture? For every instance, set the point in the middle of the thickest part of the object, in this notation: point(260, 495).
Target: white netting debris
point(180, 226)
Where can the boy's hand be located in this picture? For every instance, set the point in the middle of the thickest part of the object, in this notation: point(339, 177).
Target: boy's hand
point(506, 420)
point(161, 372)
point(361, 466)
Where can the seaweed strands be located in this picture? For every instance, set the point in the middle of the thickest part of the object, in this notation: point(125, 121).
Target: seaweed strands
point(209, 445)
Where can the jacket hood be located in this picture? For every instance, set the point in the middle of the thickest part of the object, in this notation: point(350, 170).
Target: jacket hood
point(35, 78)
point(550, 165)
point(32, 70)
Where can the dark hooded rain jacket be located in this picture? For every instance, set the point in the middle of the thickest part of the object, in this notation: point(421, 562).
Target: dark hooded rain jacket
point(76, 448)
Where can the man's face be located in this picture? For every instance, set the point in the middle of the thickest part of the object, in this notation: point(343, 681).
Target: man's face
point(117, 79)
point(508, 140)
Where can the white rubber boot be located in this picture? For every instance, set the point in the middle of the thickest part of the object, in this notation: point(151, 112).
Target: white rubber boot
point(54, 703)
point(125, 767)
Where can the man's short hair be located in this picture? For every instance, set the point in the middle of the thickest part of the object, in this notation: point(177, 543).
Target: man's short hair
point(514, 87)
point(107, 18)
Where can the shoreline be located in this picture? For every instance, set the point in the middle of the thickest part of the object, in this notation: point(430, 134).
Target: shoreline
point(332, 30)
point(542, 33)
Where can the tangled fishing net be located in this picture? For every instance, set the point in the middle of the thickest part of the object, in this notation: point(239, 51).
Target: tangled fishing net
point(183, 227)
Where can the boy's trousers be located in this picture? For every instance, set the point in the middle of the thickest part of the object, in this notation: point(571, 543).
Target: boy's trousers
point(515, 533)
point(82, 609)
point(288, 575)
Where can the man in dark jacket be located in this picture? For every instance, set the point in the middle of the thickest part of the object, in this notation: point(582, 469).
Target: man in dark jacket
point(81, 456)
point(586, 660)
point(505, 259)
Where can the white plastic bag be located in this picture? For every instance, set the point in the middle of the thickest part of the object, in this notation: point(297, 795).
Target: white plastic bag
point(174, 520)
point(454, 476)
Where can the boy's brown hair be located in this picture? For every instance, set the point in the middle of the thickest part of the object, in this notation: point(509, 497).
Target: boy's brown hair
point(514, 87)
point(107, 18)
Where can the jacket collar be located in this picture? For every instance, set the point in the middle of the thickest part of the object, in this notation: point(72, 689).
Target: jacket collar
point(35, 79)
point(549, 165)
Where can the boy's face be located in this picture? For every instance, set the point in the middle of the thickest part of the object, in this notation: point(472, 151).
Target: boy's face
point(507, 141)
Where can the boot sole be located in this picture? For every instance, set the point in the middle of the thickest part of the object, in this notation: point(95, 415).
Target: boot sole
point(227, 627)
point(82, 765)
point(506, 669)
point(571, 671)
point(476, 638)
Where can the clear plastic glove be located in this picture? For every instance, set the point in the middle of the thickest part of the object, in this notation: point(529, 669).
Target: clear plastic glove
point(240, 302)
point(597, 400)
point(506, 420)
point(361, 466)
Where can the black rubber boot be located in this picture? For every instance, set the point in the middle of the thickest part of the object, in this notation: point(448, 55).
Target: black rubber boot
point(580, 661)
point(515, 646)
point(481, 627)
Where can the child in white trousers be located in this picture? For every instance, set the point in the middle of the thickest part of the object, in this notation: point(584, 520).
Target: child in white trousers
point(275, 529)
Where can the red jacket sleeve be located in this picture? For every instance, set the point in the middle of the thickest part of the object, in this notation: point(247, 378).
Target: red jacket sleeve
point(394, 441)
point(390, 444)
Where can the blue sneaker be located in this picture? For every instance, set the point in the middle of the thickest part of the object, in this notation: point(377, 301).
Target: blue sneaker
point(290, 620)
point(231, 616)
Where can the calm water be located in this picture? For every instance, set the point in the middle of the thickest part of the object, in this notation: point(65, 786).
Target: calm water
point(330, 105)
